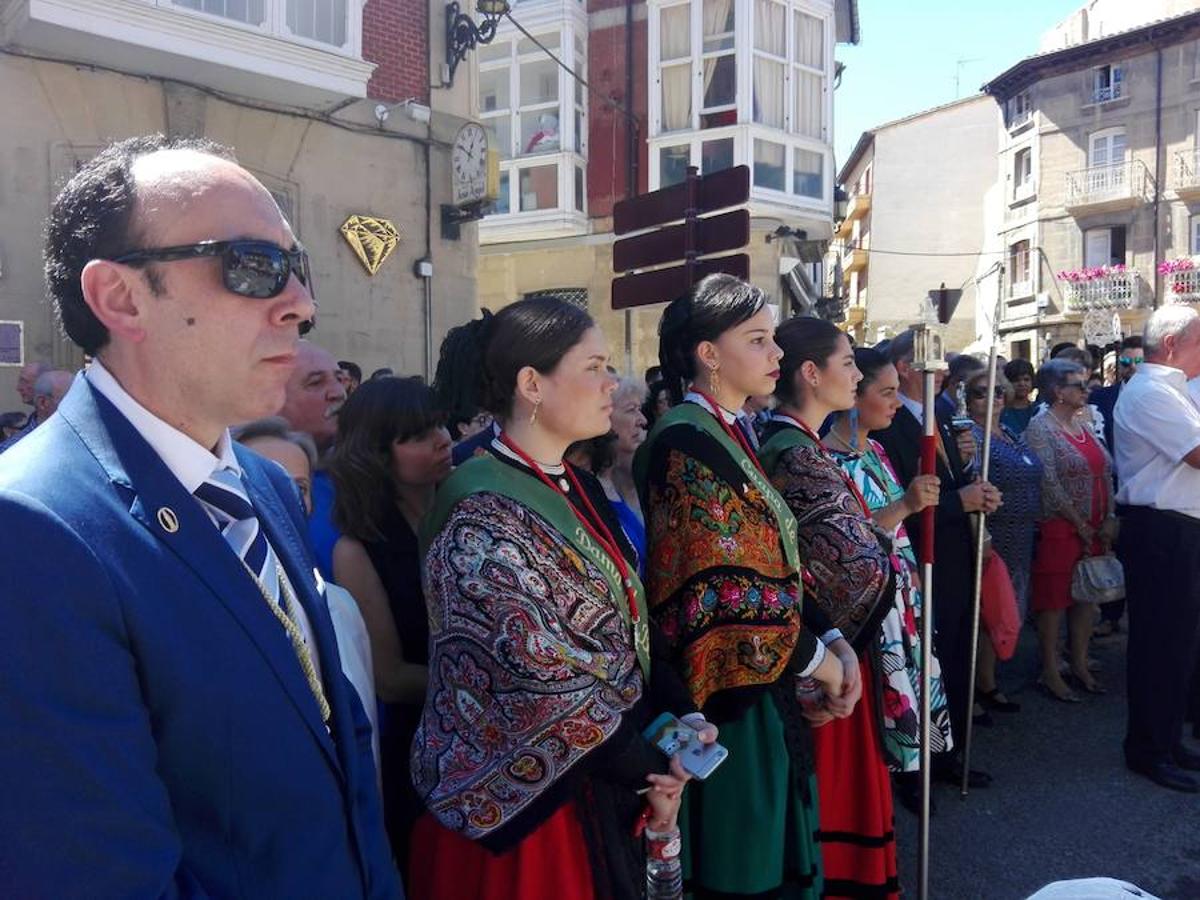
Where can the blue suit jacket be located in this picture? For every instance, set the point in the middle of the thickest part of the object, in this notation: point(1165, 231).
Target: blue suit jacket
point(159, 736)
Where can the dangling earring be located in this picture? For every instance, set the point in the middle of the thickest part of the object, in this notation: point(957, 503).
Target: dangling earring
point(533, 415)
point(714, 380)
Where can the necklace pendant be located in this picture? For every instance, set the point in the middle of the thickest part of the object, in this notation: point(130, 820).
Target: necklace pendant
point(564, 484)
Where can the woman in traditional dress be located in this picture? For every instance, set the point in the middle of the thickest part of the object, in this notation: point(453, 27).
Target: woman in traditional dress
point(866, 462)
point(723, 582)
point(529, 755)
point(392, 450)
point(858, 582)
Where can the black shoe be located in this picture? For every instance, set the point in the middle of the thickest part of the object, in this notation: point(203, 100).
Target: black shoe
point(1186, 759)
point(983, 719)
point(1168, 776)
point(992, 700)
point(908, 791)
point(976, 778)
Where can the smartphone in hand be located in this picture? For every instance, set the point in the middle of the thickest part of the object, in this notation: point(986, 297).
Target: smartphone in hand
point(672, 735)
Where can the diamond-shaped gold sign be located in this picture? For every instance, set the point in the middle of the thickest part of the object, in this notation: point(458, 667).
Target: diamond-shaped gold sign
point(371, 239)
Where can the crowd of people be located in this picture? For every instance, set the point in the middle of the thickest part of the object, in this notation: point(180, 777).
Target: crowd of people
point(520, 568)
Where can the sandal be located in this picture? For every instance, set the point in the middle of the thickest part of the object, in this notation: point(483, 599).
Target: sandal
point(1091, 685)
point(1068, 697)
point(996, 701)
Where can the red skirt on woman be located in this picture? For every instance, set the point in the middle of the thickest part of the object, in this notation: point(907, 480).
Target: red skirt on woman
point(550, 863)
point(1059, 545)
point(858, 838)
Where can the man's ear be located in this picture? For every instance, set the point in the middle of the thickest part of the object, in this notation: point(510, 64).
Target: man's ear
point(114, 298)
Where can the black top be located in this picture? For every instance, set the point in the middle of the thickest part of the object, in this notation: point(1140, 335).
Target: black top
point(397, 561)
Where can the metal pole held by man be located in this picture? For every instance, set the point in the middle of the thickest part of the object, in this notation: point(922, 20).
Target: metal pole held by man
point(928, 358)
point(980, 520)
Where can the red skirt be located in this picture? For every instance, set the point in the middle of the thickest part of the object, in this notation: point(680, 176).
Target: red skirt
point(858, 839)
point(1059, 548)
point(551, 863)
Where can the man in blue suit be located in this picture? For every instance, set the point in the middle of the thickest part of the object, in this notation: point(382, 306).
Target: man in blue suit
point(176, 723)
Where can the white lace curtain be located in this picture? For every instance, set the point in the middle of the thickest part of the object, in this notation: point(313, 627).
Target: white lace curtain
point(770, 36)
point(675, 41)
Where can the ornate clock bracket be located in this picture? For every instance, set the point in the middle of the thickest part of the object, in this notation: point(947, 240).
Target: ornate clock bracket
point(462, 33)
point(454, 217)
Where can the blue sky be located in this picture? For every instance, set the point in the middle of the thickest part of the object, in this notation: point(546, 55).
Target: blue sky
point(906, 61)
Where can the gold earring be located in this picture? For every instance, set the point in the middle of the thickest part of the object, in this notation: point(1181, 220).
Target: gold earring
point(714, 380)
point(533, 415)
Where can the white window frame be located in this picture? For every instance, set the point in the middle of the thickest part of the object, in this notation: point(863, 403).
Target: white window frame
point(744, 131)
point(1194, 235)
point(275, 24)
point(1019, 109)
point(1108, 83)
point(1090, 260)
point(1023, 187)
point(568, 157)
point(1020, 282)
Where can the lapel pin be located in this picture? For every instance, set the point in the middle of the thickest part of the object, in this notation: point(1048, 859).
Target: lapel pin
point(168, 520)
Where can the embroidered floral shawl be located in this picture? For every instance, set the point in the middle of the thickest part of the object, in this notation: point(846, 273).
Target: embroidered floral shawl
point(719, 581)
point(531, 667)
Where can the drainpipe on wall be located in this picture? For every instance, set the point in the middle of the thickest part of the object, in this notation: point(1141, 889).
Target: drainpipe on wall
point(631, 158)
point(424, 267)
point(1158, 154)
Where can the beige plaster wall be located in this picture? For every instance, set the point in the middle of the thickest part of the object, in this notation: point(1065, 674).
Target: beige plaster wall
point(330, 172)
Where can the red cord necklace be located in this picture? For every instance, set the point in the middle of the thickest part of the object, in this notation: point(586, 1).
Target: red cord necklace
point(735, 434)
point(596, 528)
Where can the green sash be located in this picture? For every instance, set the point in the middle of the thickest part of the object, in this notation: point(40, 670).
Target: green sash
point(486, 474)
point(699, 417)
point(783, 440)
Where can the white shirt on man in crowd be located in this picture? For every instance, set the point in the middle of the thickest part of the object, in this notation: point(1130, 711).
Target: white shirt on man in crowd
point(1156, 424)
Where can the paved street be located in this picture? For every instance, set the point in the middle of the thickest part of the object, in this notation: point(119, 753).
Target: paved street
point(1062, 805)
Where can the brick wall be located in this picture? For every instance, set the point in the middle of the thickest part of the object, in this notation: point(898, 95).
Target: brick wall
point(608, 129)
point(396, 39)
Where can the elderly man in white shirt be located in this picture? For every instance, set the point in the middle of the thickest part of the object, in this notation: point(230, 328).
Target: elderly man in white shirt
point(1157, 429)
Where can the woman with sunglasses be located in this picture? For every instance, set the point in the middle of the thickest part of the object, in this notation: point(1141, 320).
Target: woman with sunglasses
point(1077, 520)
point(722, 575)
point(857, 580)
point(1017, 471)
point(877, 399)
point(544, 669)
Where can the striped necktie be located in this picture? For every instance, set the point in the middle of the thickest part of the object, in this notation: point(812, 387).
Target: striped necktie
point(224, 498)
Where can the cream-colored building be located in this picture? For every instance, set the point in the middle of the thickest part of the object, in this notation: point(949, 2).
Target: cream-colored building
point(290, 96)
point(1099, 178)
point(915, 218)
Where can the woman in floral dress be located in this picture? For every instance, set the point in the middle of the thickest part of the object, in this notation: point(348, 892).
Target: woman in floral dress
point(866, 462)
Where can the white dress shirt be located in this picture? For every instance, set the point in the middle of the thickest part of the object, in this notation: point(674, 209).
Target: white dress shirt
point(1156, 424)
point(188, 461)
point(913, 406)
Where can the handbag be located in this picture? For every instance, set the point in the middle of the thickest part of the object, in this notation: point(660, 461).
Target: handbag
point(998, 607)
point(1098, 579)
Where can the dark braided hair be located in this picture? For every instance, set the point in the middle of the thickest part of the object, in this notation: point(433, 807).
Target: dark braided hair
point(718, 303)
point(480, 365)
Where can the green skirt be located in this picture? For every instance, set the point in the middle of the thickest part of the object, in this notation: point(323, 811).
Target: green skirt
point(747, 829)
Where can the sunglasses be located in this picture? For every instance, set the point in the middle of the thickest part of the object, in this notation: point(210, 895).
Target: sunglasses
point(1128, 360)
point(256, 269)
point(980, 393)
point(1076, 384)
